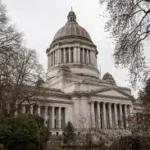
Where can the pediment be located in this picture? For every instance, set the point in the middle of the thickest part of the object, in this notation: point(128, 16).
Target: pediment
point(113, 93)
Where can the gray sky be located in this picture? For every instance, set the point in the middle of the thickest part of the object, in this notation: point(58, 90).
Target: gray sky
point(39, 20)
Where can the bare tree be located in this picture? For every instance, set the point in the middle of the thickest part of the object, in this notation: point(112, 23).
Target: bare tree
point(19, 68)
point(129, 25)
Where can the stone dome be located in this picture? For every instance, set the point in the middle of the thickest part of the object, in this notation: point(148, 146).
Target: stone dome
point(72, 29)
point(109, 79)
point(72, 47)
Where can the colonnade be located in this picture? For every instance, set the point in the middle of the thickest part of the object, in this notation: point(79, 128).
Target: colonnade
point(110, 115)
point(71, 55)
point(54, 117)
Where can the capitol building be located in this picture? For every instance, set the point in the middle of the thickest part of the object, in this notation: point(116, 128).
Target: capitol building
point(75, 91)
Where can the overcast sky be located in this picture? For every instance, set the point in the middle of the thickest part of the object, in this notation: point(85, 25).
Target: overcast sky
point(39, 20)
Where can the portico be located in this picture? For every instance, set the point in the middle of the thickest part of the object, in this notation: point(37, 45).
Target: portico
point(110, 115)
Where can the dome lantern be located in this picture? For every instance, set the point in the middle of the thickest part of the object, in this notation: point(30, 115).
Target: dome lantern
point(71, 16)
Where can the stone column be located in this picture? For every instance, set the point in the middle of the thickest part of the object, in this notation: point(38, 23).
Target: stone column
point(69, 50)
point(23, 109)
point(51, 59)
point(75, 55)
point(79, 60)
point(54, 61)
point(59, 117)
point(39, 110)
point(83, 58)
point(48, 61)
point(130, 110)
point(31, 108)
point(95, 60)
point(91, 54)
point(92, 115)
point(110, 115)
point(126, 116)
point(16, 112)
point(45, 115)
point(98, 113)
point(64, 51)
point(59, 56)
point(130, 113)
point(116, 115)
point(87, 53)
point(52, 117)
point(55, 55)
point(121, 116)
point(104, 115)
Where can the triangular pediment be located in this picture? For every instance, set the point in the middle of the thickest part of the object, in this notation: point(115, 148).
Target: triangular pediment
point(113, 93)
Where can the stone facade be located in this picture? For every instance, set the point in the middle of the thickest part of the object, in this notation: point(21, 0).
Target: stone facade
point(74, 90)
